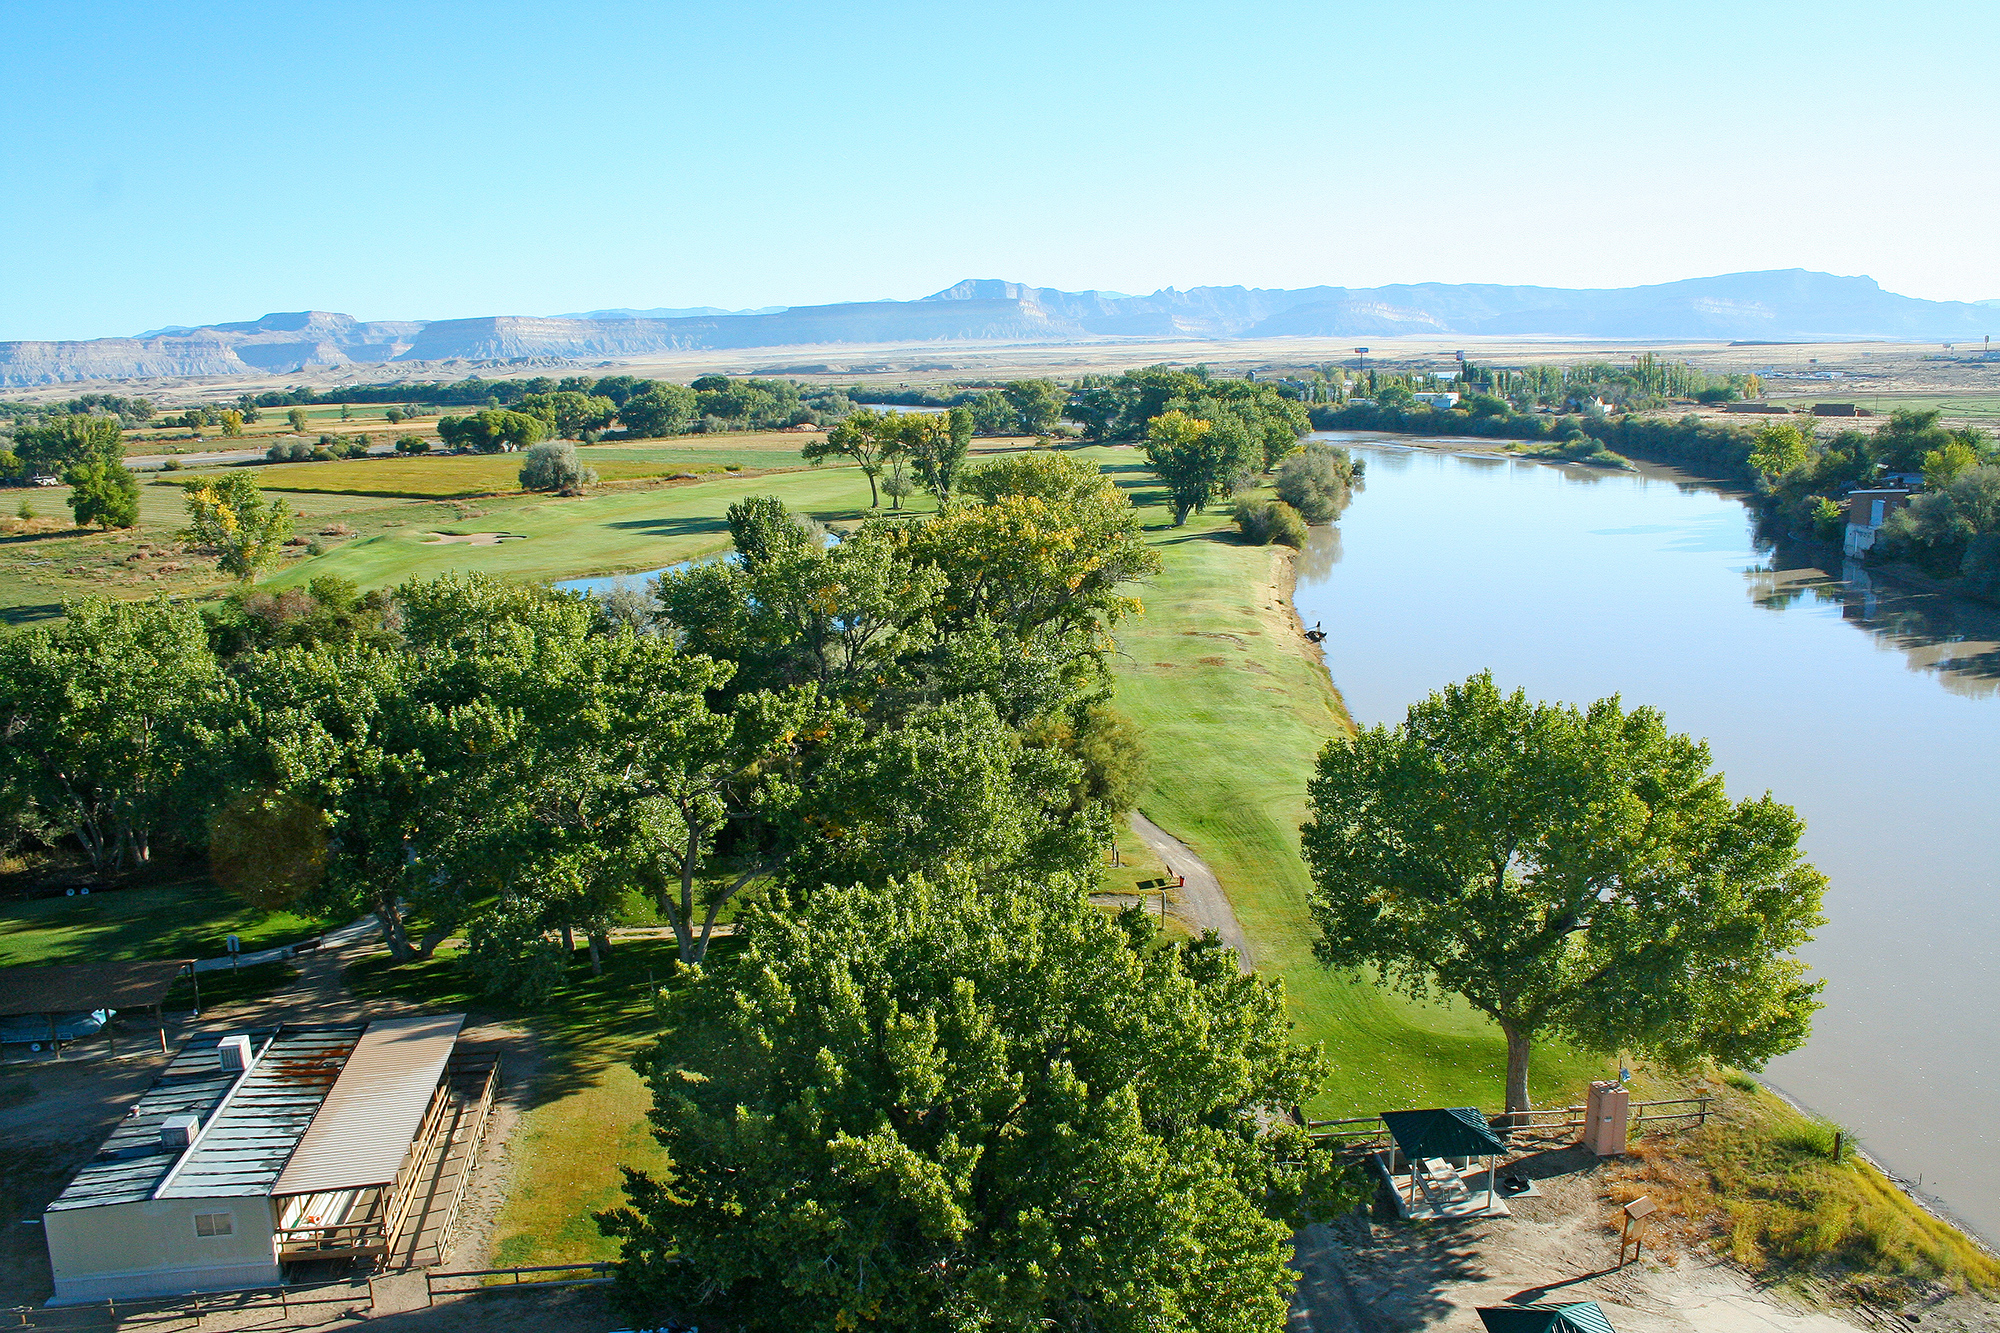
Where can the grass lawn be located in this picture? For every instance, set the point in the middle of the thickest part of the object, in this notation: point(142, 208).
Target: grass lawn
point(1235, 707)
point(184, 918)
point(586, 1111)
point(610, 532)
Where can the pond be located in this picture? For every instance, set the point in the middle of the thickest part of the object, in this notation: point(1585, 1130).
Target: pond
point(1871, 708)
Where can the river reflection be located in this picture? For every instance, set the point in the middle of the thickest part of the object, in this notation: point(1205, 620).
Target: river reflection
point(1871, 706)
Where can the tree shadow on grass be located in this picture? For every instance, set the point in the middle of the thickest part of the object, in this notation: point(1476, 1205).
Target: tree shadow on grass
point(29, 613)
point(587, 1026)
point(698, 525)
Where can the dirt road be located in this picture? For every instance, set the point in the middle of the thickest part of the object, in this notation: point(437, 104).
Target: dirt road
point(1201, 902)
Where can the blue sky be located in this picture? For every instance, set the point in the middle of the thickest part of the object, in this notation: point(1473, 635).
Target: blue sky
point(202, 160)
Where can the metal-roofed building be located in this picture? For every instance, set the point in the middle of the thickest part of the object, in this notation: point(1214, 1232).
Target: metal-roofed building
point(259, 1149)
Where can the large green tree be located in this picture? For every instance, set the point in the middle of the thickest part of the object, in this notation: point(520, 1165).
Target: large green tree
point(659, 409)
point(971, 1104)
point(107, 717)
point(54, 445)
point(1575, 873)
point(228, 515)
point(867, 438)
point(103, 491)
point(1197, 460)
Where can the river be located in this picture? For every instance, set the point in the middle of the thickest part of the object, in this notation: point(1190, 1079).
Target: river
point(1875, 711)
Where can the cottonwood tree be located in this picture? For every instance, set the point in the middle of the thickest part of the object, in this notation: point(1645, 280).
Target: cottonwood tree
point(972, 1103)
point(1195, 459)
point(230, 516)
point(106, 721)
point(1572, 873)
point(869, 438)
point(57, 444)
point(103, 491)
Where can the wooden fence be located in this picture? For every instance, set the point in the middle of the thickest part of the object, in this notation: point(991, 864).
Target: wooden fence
point(1359, 1135)
point(187, 1311)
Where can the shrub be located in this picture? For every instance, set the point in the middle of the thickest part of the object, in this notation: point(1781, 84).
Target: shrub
point(1270, 522)
point(553, 466)
point(1316, 481)
point(171, 465)
point(413, 444)
point(1740, 1081)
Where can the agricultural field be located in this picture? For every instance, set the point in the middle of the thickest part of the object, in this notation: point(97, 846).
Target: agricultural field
point(348, 504)
point(458, 476)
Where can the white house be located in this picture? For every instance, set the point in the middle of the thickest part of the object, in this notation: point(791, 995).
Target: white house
point(1437, 400)
point(263, 1148)
point(1866, 512)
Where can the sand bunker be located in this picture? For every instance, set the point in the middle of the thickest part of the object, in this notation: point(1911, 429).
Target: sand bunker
point(474, 538)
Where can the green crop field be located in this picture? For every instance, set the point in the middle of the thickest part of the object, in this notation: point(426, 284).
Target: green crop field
point(457, 476)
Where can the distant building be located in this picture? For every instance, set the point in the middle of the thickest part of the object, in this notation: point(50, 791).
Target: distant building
point(1837, 410)
point(1439, 400)
point(1759, 406)
point(1866, 512)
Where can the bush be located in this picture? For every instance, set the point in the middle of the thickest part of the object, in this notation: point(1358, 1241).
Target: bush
point(412, 444)
point(1270, 522)
point(553, 466)
point(171, 465)
point(1717, 393)
point(1316, 481)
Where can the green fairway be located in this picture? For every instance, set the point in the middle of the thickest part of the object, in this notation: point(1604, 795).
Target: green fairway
point(1235, 706)
point(608, 533)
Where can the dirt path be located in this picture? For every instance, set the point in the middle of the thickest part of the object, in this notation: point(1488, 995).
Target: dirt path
point(1201, 902)
point(1369, 1274)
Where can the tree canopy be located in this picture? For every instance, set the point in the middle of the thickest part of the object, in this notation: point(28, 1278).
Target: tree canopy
point(227, 514)
point(1567, 872)
point(959, 1103)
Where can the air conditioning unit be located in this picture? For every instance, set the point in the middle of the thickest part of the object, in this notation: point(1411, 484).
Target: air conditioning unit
point(234, 1053)
point(178, 1131)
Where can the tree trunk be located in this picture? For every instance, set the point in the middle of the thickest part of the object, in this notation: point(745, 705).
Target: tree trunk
point(1518, 1041)
point(569, 942)
point(393, 933)
point(596, 962)
point(874, 497)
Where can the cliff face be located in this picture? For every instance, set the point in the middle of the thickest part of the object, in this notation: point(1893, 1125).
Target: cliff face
point(1787, 304)
point(274, 343)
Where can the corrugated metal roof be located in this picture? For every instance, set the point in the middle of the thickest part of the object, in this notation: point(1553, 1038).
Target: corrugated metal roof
point(132, 1161)
point(375, 1108)
point(245, 1146)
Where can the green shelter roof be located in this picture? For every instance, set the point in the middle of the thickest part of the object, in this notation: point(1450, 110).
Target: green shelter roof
point(1456, 1132)
point(1577, 1317)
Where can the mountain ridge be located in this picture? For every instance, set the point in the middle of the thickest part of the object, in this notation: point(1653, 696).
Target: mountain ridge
point(1770, 304)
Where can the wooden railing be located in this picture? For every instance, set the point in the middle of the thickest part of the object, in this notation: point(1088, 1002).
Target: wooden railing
point(345, 1239)
point(437, 1282)
point(490, 1086)
point(1361, 1134)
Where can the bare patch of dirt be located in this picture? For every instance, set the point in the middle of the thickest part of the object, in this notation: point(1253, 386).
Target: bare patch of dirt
point(1362, 1274)
point(473, 538)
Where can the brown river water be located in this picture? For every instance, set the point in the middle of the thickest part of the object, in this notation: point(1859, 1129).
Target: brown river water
point(1871, 708)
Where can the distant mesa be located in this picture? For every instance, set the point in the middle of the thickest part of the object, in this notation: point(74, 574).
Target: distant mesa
point(1771, 306)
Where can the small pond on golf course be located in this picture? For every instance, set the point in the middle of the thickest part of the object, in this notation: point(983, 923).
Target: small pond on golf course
point(1873, 709)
